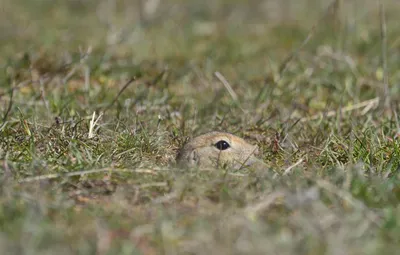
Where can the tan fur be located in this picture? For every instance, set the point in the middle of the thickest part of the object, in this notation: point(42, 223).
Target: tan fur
point(201, 151)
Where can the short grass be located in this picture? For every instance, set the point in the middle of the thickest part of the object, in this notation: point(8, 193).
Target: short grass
point(87, 157)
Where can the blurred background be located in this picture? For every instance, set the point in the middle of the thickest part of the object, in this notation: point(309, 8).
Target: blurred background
point(25, 24)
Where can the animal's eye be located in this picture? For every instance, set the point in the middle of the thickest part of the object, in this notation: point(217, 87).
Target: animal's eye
point(222, 145)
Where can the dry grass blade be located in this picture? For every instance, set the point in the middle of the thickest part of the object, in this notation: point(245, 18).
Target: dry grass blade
point(227, 86)
point(383, 30)
point(253, 210)
point(93, 123)
point(287, 170)
point(129, 82)
point(9, 106)
point(368, 104)
point(84, 172)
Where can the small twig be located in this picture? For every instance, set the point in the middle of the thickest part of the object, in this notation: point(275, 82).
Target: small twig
point(287, 171)
point(119, 93)
point(368, 104)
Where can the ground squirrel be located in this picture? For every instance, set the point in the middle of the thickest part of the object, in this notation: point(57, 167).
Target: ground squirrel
point(216, 149)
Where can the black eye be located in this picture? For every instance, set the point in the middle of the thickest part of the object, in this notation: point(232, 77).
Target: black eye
point(222, 145)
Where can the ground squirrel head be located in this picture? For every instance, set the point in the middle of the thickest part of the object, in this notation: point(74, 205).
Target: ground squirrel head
point(217, 149)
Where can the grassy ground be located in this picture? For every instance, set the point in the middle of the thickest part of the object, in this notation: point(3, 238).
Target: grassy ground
point(308, 81)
